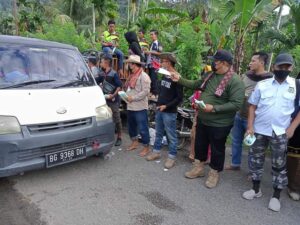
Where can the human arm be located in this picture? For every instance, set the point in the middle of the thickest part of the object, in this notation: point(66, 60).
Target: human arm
point(291, 129)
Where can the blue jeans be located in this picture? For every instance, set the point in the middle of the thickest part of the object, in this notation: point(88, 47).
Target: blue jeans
point(237, 134)
point(119, 54)
point(166, 122)
point(138, 124)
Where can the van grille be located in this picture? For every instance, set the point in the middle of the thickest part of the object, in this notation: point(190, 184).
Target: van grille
point(59, 125)
point(40, 152)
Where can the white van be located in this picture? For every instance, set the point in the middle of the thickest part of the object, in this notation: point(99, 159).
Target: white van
point(52, 112)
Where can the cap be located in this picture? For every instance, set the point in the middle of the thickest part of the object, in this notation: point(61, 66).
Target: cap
point(284, 58)
point(222, 55)
point(169, 56)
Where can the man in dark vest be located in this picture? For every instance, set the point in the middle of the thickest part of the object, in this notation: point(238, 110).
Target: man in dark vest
point(111, 85)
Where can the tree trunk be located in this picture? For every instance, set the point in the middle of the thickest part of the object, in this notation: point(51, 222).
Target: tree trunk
point(238, 54)
point(15, 13)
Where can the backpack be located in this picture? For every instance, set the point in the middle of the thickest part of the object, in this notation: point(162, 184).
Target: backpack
point(297, 99)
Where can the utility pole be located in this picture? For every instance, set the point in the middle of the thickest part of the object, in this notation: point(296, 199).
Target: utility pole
point(94, 22)
point(15, 14)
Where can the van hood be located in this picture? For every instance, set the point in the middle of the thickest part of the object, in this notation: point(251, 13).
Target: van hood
point(50, 105)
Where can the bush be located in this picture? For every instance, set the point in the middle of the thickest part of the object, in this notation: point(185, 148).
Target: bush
point(64, 32)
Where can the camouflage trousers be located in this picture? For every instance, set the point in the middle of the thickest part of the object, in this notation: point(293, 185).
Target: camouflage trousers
point(256, 158)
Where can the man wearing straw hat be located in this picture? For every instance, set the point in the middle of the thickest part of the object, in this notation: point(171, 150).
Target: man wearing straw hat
point(170, 95)
point(137, 89)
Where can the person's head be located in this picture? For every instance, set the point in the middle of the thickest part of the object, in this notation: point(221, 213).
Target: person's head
point(282, 66)
point(222, 61)
point(131, 37)
point(153, 34)
point(134, 63)
point(92, 61)
point(106, 62)
point(168, 60)
point(141, 33)
point(111, 26)
point(258, 62)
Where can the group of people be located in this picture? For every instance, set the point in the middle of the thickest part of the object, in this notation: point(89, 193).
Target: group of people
point(263, 105)
point(138, 45)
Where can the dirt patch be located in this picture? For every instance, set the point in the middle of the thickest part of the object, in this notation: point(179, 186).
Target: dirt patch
point(161, 202)
point(148, 219)
point(15, 209)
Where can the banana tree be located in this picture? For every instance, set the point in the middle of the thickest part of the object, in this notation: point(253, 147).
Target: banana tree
point(236, 18)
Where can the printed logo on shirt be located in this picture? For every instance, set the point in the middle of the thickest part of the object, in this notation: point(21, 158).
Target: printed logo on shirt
point(166, 84)
point(291, 90)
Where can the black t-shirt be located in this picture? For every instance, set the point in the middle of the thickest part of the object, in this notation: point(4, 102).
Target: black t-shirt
point(170, 94)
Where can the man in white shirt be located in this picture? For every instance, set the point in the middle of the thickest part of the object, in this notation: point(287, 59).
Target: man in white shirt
point(271, 107)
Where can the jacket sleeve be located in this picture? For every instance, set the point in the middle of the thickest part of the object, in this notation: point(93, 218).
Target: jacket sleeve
point(192, 84)
point(236, 98)
point(117, 80)
point(179, 97)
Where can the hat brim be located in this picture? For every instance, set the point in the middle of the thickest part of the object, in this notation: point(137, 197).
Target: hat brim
point(168, 57)
point(282, 63)
point(133, 61)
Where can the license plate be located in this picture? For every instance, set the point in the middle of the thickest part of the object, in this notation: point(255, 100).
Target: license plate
point(61, 157)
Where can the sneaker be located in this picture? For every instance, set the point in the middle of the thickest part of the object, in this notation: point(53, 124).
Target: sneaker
point(169, 163)
point(213, 179)
point(274, 204)
point(233, 168)
point(153, 156)
point(118, 142)
point(196, 171)
point(249, 195)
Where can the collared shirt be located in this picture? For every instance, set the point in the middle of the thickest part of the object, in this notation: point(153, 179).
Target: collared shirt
point(275, 104)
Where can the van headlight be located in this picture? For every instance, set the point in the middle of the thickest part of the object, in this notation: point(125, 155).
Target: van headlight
point(9, 125)
point(103, 112)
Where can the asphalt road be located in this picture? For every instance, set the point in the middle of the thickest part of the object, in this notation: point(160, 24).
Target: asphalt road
point(126, 190)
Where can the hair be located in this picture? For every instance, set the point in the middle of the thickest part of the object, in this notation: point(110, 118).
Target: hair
point(107, 58)
point(154, 31)
point(141, 30)
point(111, 22)
point(92, 60)
point(263, 56)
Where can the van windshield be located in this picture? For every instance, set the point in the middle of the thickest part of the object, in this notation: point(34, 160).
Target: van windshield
point(34, 67)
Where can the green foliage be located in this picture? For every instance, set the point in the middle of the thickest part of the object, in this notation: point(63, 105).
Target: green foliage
point(31, 15)
point(64, 33)
point(296, 54)
point(7, 25)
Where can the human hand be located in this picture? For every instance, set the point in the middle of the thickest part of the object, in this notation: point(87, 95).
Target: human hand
point(250, 130)
point(175, 76)
point(129, 99)
point(161, 108)
point(208, 108)
point(290, 132)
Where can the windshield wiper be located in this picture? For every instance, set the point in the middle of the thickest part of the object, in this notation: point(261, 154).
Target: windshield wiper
point(74, 83)
point(27, 83)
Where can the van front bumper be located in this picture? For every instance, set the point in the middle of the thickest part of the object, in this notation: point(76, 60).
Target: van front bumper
point(26, 151)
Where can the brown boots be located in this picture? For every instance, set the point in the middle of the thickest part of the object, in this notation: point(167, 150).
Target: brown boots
point(133, 146)
point(196, 171)
point(213, 179)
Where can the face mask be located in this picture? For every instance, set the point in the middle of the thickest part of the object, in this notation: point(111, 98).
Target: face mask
point(213, 67)
point(281, 74)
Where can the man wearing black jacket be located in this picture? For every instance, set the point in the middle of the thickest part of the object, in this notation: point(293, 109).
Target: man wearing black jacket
point(134, 46)
point(169, 97)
